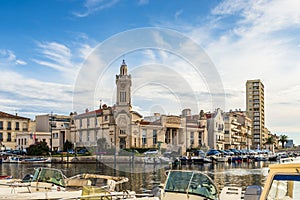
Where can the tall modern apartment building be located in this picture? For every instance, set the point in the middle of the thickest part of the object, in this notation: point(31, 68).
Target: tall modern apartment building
point(255, 106)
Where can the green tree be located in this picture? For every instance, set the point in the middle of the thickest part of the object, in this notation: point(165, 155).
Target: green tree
point(283, 139)
point(270, 140)
point(68, 146)
point(39, 148)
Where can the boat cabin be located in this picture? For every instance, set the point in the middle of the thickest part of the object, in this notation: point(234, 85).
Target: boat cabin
point(188, 185)
point(283, 182)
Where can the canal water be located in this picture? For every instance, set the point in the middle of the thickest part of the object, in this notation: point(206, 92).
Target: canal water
point(143, 177)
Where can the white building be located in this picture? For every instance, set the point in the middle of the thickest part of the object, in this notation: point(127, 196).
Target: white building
point(215, 129)
point(121, 127)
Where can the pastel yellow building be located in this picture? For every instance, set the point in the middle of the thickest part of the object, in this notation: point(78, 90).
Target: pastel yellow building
point(10, 126)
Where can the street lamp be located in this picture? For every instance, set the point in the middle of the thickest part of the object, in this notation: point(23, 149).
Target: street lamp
point(51, 138)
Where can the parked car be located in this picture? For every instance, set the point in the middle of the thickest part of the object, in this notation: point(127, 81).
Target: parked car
point(151, 151)
point(71, 151)
point(213, 152)
point(82, 151)
point(19, 152)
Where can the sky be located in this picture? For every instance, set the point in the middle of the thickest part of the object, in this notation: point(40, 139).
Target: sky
point(62, 56)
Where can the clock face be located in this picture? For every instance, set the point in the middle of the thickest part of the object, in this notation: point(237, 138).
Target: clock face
point(123, 85)
point(122, 121)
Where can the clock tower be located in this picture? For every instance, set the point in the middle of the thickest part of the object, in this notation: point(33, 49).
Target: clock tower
point(123, 108)
point(123, 81)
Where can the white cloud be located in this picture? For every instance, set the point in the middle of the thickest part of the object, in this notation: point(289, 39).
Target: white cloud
point(21, 62)
point(58, 56)
point(92, 6)
point(261, 43)
point(143, 2)
point(178, 13)
point(8, 58)
point(32, 96)
point(251, 40)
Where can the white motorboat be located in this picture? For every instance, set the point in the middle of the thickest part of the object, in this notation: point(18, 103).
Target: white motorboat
point(283, 183)
point(152, 160)
point(50, 183)
point(189, 185)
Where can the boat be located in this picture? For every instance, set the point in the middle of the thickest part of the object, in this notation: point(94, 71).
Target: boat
point(152, 160)
point(51, 183)
point(5, 177)
point(282, 183)
point(36, 160)
point(188, 185)
point(26, 160)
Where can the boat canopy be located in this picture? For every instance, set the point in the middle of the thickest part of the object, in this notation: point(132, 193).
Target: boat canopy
point(191, 183)
point(49, 175)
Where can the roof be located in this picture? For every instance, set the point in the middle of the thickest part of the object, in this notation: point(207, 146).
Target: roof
point(10, 116)
point(97, 112)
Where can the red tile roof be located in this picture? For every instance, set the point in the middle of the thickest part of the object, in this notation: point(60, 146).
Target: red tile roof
point(10, 116)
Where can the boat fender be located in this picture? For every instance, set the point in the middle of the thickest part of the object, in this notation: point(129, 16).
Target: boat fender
point(58, 188)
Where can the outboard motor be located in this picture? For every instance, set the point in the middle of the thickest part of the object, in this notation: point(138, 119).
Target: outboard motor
point(27, 178)
point(253, 192)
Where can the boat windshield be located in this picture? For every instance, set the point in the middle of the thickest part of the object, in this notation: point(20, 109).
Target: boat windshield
point(285, 187)
point(49, 175)
point(191, 183)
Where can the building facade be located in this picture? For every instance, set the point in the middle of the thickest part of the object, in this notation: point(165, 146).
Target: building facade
point(237, 130)
point(255, 107)
point(10, 126)
point(53, 129)
point(120, 127)
point(215, 129)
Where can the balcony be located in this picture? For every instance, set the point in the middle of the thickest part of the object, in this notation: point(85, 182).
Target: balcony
point(123, 135)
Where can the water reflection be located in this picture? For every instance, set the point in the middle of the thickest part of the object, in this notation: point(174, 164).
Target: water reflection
point(143, 177)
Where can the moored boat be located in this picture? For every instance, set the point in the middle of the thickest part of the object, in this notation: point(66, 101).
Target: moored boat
point(181, 185)
point(282, 183)
point(50, 183)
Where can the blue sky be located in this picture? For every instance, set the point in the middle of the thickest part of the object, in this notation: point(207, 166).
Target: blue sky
point(44, 46)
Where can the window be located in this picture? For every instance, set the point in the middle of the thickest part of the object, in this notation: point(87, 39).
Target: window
point(154, 137)
point(144, 136)
point(105, 118)
point(1, 137)
point(284, 187)
point(88, 136)
point(1, 125)
point(55, 135)
point(80, 136)
point(8, 125)
point(8, 137)
point(122, 96)
point(25, 141)
point(25, 125)
point(95, 135)
point(88, 122)
point(17, 126)
point(96, 121)
point(80, 122)
point(122, 132)
point(192, 138)
point(200, 138)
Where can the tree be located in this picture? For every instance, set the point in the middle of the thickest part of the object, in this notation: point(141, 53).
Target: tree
point(68, 146)
point(283, 139)
point(270, 140)
point(39, 148)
